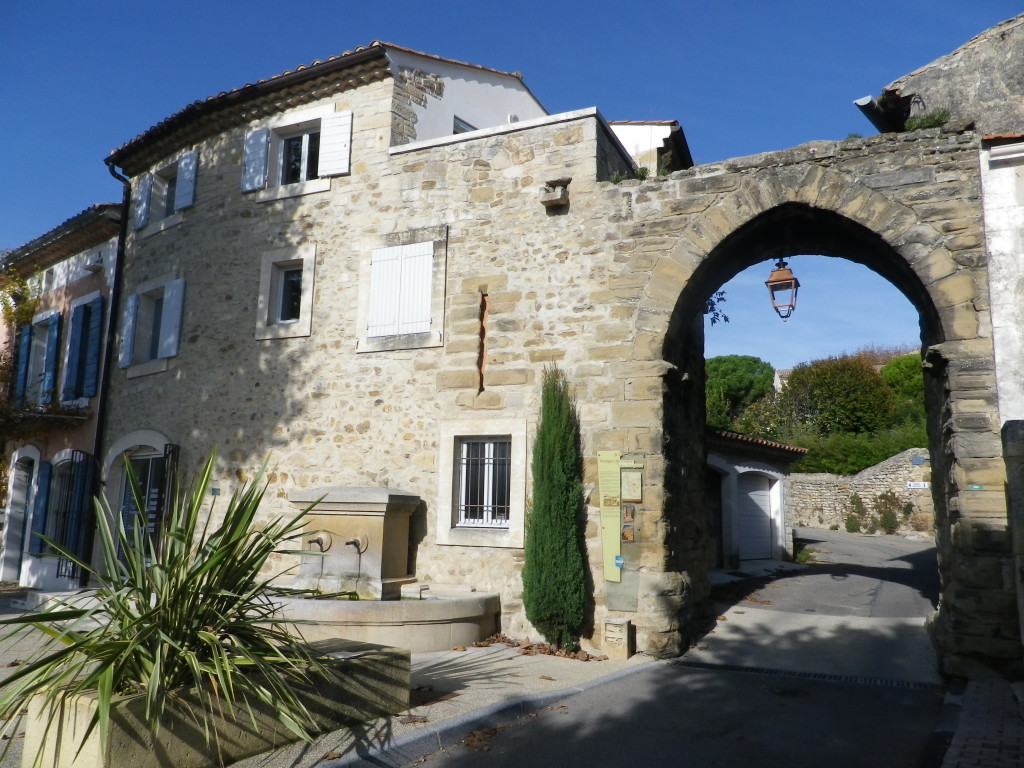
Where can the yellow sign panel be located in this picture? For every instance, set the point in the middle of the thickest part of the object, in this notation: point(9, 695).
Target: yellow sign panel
point(610, 493)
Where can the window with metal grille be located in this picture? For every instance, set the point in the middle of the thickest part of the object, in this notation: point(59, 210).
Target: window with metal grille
point(153, 474)
point(484, 481)
point(69, 509)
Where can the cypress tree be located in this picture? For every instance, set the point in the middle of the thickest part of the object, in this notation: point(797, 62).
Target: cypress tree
point(554, 568)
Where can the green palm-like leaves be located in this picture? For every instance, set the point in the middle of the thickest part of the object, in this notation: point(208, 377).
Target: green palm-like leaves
point(187, 608)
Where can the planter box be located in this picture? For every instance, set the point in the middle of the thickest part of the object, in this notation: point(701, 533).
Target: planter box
point(369, 681)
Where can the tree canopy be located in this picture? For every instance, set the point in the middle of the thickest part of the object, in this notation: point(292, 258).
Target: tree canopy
point(843, 409)
point(840, 394)
point(739, 379)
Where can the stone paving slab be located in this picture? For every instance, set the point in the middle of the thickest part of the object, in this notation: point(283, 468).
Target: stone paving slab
point(990, 732)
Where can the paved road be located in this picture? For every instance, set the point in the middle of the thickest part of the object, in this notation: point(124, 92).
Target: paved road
point(670, 715)
point(827, 666)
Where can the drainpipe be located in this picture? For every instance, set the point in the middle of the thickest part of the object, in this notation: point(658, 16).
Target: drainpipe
point(108, 352)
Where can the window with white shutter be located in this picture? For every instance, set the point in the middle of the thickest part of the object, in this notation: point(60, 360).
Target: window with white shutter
point(402, 292)
point(151, 326)
point(160, 196)
point(297, 153)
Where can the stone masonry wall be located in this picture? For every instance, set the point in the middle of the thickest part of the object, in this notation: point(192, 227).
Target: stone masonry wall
point(594, 286)
point(821, 500)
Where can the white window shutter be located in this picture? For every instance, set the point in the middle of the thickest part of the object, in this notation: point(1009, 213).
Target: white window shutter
point(385, 292)
point(131, 314)
point(255, 159)
point(185, 189)
point(143, 193)
point(335, 144)
point(170, 319)
point(417, 274)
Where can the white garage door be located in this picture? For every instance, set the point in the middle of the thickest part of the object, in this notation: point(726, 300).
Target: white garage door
point(753, 517)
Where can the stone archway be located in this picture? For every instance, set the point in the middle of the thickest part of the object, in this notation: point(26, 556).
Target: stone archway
point(920, 229)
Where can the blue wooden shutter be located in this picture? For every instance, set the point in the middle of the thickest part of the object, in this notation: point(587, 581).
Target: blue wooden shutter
point(143, 193)
point(72, 371)
point(42, 502)
point(185, 190)
point(131, 316)
point(24, 353)
point(50, 361)
point(80, 512)
point(335, 144)
point(93, 348)
point(254, 160)
point(417, 276)
point(170, 318)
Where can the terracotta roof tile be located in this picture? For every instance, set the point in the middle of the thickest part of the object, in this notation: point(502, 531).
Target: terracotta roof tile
point(739, 437)
point(261, 87)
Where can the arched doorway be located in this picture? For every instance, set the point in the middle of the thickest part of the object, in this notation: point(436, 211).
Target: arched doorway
point(781, 208)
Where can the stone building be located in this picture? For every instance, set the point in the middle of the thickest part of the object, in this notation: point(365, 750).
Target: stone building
point(55, 411)
point(360, 268)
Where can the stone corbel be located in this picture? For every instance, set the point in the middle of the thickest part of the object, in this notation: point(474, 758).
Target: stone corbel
point(555, 193)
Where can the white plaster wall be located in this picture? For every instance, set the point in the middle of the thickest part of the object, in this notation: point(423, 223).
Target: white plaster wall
point(481, 98)
point(1002, 177)
point(643, 142)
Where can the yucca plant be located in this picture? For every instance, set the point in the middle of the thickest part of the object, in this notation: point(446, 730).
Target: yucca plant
point(185, 608)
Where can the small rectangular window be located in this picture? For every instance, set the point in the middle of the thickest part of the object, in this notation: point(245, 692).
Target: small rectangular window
point(289, 294)
point(300, 157)
point(461, 126)
point(284, 308)
point(484, 481)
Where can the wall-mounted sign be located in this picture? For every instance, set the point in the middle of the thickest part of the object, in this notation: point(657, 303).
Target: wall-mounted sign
point(619, 561)
point(975, 487)
point(918, 486)
point(609, 483)
point(632, 484)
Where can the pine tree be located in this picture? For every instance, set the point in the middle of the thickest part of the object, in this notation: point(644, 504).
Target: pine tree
point(554, 569)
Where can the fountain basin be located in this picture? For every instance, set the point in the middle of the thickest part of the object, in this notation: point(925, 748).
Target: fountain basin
point(431, 624)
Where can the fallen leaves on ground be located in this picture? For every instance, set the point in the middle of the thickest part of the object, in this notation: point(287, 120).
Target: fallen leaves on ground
point(481, 740)
point(331, 756)
point(410, 719)
point(547, 677)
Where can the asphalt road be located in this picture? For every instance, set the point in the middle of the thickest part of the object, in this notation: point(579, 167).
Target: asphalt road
point(826, 666)
point(667, 715)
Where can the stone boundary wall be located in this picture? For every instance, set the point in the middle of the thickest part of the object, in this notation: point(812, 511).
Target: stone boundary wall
point(822, 500)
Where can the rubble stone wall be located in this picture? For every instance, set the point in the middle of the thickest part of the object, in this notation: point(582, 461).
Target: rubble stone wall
point(822, 500)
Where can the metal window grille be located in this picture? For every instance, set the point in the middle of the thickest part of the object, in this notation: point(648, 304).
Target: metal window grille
point(485, 482)
point(70, 510)
point(155, 475)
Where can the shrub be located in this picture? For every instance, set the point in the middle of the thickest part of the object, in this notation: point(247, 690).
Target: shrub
point(936, 118)
point(888, 522)
point(554, 567)
point(185, 608)
point(852, 524)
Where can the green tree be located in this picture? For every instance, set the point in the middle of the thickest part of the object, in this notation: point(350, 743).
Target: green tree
point(742, 379)
point(841, 394)
point(554, 567)
point(904, 376)
point(717, 405)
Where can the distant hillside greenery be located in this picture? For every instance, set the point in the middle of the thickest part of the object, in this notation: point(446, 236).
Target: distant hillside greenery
point(850, 412)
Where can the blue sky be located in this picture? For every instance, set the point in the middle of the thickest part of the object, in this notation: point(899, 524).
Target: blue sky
point(81, 78)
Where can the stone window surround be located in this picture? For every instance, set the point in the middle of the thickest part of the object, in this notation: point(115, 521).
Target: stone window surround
point(435, 336)
point(273, 260)
point(157, 364)
point(446, 517)
point(282, 127)
point(159, 218)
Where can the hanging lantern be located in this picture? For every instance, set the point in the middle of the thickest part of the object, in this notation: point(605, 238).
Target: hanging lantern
point(782, 286)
